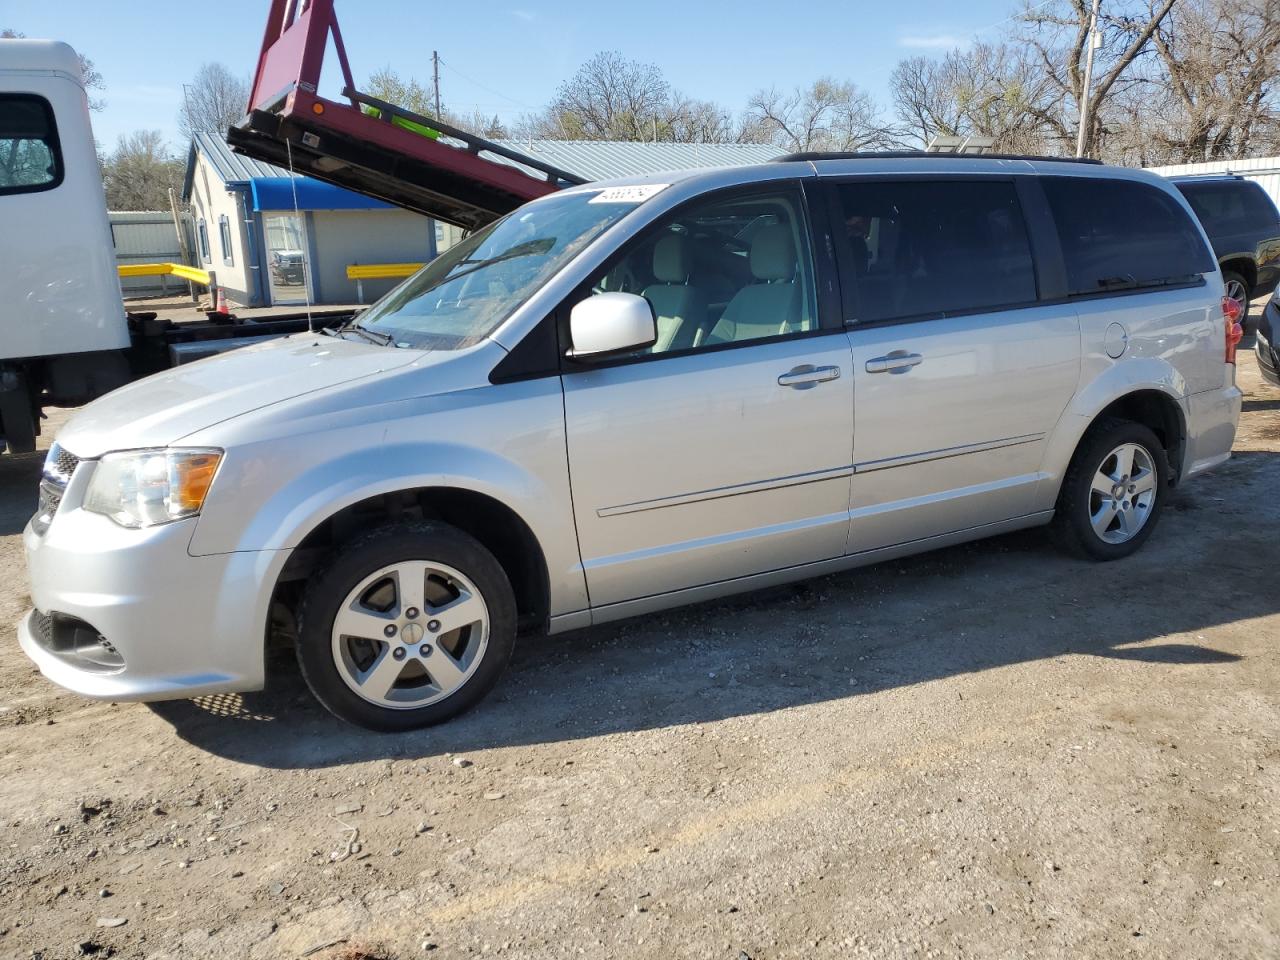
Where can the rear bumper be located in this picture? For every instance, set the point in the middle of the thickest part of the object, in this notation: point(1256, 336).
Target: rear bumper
point(1212, 418)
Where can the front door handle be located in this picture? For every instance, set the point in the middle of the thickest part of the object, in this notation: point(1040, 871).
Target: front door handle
point(807, 375)
point(897, 361)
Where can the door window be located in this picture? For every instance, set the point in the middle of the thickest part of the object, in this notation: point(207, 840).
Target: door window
point(922, 248)
point(1123, 235)
point(723, 271)
point(29, 155)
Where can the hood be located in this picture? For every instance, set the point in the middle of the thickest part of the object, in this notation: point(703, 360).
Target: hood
point(164, 408)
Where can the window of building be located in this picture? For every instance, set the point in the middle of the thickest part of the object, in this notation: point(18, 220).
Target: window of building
point(224, 237)
point(724, 271)
point(1123, 235)
point(30, 159)
point(202, 240)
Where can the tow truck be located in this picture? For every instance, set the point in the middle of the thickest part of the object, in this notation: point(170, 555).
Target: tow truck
point(65, 337)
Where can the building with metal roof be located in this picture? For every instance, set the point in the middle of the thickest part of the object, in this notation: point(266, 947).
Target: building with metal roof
point(273, 238)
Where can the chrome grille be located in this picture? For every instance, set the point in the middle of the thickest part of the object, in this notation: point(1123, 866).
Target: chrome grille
point(59, 465)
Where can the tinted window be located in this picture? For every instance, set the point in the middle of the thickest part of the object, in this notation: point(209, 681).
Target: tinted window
point(29, 156)
point(202, 237)
point(1118, 235)
point(1235, 206)
point(928, 248)
point(723, 271)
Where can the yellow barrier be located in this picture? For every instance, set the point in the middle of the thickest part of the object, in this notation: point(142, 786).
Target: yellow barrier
point(381, 271)
point(360, 272)
point(181, 270)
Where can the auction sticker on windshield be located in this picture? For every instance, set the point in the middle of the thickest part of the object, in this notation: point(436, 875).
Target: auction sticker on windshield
point(637, 194)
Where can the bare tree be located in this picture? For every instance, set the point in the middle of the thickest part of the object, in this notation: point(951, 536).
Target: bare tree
point(1221, 59)
point(826, 115)
point(993, 90)
point(1058, 34)
point(139, 173)
point(610, 98)
point(214, 100)
point(88, 72)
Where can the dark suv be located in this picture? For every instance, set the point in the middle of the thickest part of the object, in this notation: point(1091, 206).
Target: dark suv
point(1244, 228)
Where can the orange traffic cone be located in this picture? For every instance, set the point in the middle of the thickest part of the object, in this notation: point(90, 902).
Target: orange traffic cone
point(221, 304)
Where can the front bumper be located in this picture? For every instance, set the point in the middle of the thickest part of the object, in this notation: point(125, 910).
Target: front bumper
point(174, 626)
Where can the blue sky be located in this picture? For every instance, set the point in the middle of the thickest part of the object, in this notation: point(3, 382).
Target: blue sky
point(508, 58)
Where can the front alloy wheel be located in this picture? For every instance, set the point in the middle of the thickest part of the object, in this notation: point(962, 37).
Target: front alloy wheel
point(410, 634)
point(407, 626)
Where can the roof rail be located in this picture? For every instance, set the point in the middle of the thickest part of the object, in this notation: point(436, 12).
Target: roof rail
point(813, 156)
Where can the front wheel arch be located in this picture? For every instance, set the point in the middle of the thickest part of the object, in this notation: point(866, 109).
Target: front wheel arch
point(501, 531)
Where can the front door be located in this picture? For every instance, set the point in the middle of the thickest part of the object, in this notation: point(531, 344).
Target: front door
point(959, 372)
point(724, 450)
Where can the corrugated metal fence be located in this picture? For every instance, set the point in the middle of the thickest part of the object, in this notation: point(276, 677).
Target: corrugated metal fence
point(146, 237)
point(1265, 170)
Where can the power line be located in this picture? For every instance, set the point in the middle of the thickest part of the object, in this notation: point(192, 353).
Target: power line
point(497, 93)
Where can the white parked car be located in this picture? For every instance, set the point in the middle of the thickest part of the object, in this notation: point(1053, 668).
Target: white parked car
point(628, 396)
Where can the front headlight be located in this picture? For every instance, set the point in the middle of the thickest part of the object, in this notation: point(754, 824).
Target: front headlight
point(142, 488)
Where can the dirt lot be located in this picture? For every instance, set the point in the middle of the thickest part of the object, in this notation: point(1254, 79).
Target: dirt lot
point(991, 751)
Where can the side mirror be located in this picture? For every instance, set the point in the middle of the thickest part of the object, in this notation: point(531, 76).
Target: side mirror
point(610, 323)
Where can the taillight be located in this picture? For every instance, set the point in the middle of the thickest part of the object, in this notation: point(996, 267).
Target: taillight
point(1232, 310)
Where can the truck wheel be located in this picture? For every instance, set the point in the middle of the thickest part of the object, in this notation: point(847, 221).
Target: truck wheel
point(406, 626)
point(18, 415)
point(1237, 288)
point(1113, 492)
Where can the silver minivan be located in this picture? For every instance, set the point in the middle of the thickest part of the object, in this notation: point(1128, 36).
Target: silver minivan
point(632, 395)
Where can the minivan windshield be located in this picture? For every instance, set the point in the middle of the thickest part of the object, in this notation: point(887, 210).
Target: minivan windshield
point(464, 294)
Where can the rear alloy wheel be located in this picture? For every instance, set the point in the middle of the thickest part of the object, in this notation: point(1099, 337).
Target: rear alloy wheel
point(1113, 492)
point(1237, 288)
point(407, 627)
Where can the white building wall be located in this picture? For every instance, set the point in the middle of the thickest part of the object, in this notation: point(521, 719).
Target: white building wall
point(343, 237)
point(1264, 170)
point(211, 199)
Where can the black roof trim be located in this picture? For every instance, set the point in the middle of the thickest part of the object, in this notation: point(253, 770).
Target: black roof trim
point(816, 155)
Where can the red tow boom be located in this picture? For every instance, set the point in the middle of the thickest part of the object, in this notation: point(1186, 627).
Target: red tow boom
point(370, 146)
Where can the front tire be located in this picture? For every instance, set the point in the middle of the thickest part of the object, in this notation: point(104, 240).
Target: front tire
point(1113, 492)
point(405, 627)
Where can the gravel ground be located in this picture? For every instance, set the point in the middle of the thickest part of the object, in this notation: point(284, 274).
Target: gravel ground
point(989, 751)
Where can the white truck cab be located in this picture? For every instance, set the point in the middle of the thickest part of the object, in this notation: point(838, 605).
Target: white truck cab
point(62, 321)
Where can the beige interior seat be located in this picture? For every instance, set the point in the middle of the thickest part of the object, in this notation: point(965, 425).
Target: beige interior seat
point(771, 305)
point(679, 307)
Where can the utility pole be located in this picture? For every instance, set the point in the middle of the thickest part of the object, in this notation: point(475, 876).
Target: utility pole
point(435, 75)
point(1094, 41)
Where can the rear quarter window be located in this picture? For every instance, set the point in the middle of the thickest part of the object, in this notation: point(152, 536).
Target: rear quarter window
point(30, 159)
point(1121, 234)
point(1231, 207)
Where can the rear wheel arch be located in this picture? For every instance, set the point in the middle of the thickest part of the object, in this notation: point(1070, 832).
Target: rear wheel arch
point(1243, 266)
point(498, 527)
point(1157, 411)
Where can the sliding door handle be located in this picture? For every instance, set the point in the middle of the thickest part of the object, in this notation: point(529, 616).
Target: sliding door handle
point(898, 361)
point(806, 375)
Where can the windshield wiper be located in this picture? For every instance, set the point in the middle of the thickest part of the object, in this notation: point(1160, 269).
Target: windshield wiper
point(373, 336)
point(528, 249)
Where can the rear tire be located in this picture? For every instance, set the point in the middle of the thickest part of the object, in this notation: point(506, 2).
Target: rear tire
point(1113, 491)
point(1232, 281)
point(406, 626)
